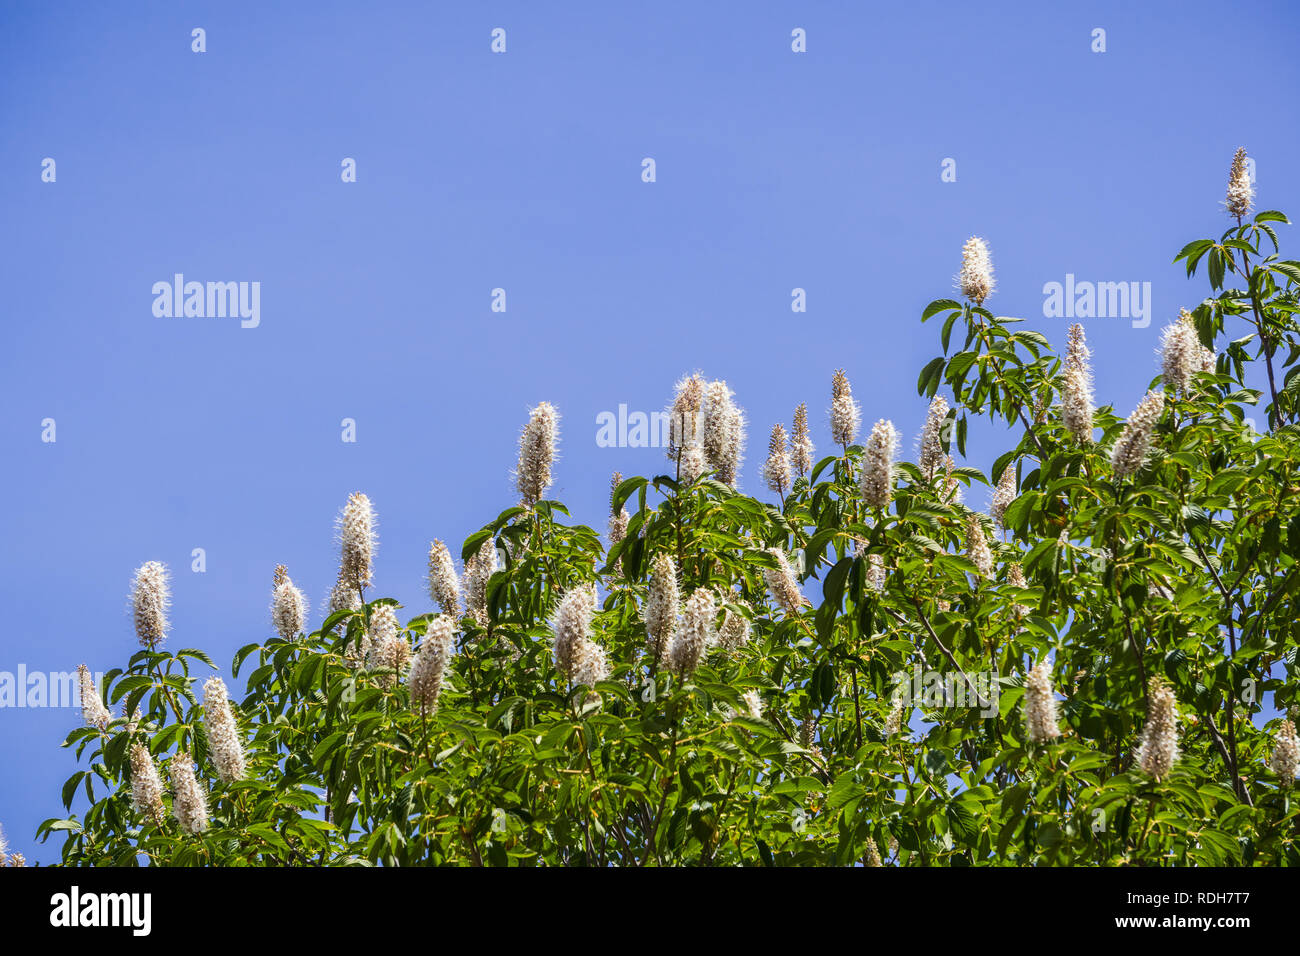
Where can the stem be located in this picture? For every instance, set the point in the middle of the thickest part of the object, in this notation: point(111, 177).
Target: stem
point(1230, 754)
point(1151, 816)
point(707, 855)
point(943, 650)
point(1137, 651)
point(997, 368)
point(473, 850)
point(857, 709)
point(1266, 344)
point(1119, 601)
point(663, 799)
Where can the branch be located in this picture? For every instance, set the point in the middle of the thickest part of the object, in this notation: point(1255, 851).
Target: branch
point(943, 649)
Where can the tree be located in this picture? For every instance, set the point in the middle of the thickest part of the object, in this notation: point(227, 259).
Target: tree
point(863, 669)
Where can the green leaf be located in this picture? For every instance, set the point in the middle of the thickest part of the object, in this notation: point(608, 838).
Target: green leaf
point(1289, 269)
point(960, 363)
point(937, 306)
point(242, 654)
point(798, 785)
point(833, 586)
point(197, 655)
point(755, 725)
point(844, 789)
point(70, 788)
point(928, 382)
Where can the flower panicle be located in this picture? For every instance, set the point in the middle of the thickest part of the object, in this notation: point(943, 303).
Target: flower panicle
point(479, 569)
point(389, 650)
point(537, 453)
point(1241, 193)
point(1134, 442)
point(724, 432)
point(877, 480)
point(1285, 759)
point(189, 802)
point(1180, 355)
point(695, 633)
point(1003, 494)
point(876, 573)
point(1040, 705)
point(735, 630)
point(618, 519)
point(225, 744)
point(801, 444)
point(661, 606)
point(977, 545)
point(150, 600)
point(931, 453)
point(685, 426)
point(846, 414)
point(288, 606)
point(777, 468)
point(782, 583)
point(578, 658)
point(899, 711)
point(1076, 387)
point(1157, 750)
point(344, 596)
point(976, 277)
point(444, 584)
point(146, 785)
point(93, 710)
point(429, 668)
point(357, 541)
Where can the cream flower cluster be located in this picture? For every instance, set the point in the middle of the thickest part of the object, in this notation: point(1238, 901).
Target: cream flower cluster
point(150, 600)
point(225, 744)
point(537, 453)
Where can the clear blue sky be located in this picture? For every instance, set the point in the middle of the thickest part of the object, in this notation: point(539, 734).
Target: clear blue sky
point(476, 170)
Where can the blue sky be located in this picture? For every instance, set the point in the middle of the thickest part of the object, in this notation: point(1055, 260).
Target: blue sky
point(775, 170)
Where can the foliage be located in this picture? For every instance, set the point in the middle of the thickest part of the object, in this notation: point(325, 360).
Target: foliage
point(1186, 569)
